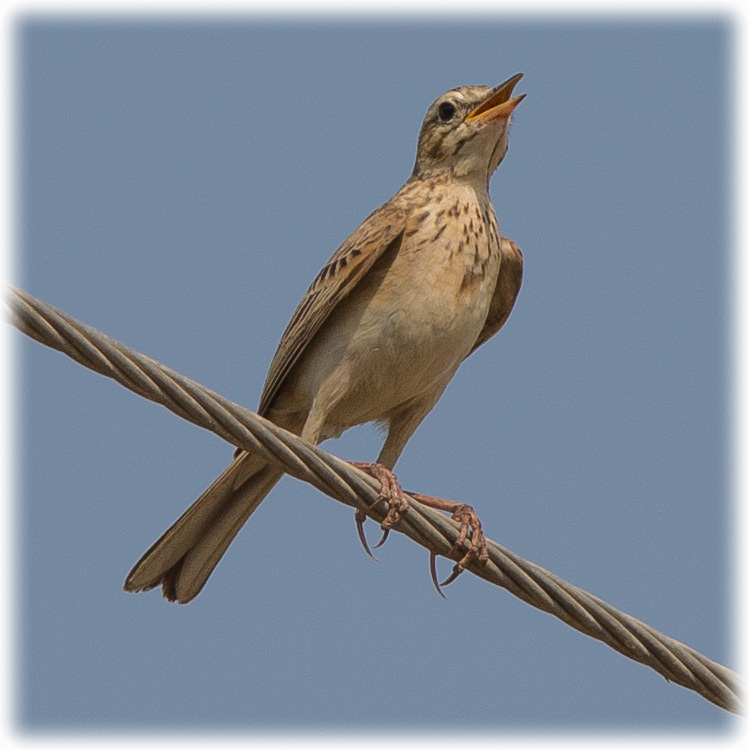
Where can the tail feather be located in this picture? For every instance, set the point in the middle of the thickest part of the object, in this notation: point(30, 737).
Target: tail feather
point(183, 558)
point(200, 560)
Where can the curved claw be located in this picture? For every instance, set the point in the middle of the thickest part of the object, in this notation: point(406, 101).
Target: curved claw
point(433, 571)
point(383, 539)
point(360, 517)
point(457, 570)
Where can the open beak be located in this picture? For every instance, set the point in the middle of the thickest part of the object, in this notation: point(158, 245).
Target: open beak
point(499, 103)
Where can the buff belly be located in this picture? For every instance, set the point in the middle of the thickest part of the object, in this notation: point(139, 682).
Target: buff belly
point(379, 352)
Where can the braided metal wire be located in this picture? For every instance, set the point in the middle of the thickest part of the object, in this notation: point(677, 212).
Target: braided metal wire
point(538, 587)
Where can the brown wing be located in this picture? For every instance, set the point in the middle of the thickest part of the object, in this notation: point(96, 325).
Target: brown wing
point(347, 266)
point(505, 293)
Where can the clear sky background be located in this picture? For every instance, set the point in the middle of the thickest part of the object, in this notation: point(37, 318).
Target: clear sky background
point(181, 183)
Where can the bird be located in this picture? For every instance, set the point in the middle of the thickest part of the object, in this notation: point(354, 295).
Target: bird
point(422, 283)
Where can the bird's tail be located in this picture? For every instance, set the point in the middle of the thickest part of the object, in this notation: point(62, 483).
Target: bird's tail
point(183, 558)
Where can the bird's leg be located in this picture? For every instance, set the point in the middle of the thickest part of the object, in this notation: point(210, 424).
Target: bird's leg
point(390, 492)
point(466, 516)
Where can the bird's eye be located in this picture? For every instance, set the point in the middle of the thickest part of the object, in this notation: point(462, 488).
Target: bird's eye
point(446, 111)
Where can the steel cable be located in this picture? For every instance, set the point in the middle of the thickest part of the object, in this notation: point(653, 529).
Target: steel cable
point(538, 587)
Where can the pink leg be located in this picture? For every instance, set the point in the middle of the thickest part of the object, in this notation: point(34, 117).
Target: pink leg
point(390, 492)
point(469, 522)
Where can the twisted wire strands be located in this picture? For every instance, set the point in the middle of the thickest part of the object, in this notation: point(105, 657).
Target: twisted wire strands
point(534, 585)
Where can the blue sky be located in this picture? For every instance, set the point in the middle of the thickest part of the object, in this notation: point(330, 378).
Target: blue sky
point(180, 184)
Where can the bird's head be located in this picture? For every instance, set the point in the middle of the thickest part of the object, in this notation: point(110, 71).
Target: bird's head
point(465, 131)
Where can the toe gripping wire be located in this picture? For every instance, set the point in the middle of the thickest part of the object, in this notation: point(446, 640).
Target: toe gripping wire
point(340, 480)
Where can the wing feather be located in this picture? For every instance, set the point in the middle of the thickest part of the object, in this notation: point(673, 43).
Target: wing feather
point(346, 267)
point(505, 293)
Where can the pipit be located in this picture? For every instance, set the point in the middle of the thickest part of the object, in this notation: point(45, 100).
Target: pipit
point(423, 282)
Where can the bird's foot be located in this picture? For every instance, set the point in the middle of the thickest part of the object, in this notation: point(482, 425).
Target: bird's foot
point(391, 493)
point(474, 546)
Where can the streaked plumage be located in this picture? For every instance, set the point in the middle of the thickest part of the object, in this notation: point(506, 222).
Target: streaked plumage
point(422, 282)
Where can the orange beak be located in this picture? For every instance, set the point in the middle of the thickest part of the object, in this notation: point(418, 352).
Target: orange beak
point(499, 103)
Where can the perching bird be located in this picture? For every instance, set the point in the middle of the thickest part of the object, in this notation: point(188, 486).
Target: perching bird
point(422, 282)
